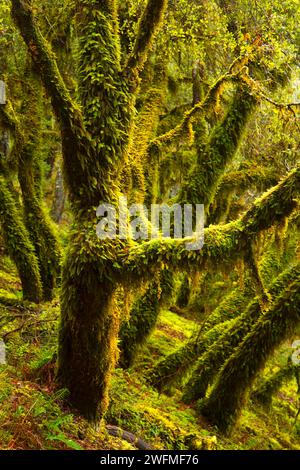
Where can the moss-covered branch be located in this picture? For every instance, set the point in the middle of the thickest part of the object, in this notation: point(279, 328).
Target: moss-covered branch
point(223, 243)
point(44, 60)
point(213, 359)
point(229, 394)
point(148, 27)
point(202, 184)
point(83, 180)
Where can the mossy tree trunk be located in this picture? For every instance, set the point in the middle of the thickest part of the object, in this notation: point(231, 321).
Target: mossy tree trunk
point(18, 244)
point(37, 221)
point(26, 155)
point(94, 147)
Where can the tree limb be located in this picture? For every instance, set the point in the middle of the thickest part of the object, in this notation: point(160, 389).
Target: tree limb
point(223, 243)
point(65, 109)
point(148, 28)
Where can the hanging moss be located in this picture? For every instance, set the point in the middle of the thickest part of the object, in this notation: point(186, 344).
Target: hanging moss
point(228, 396)
point(238, 182)
point(223, 243)
point(143, 317)
point(184, 292)
point(18, 245)
point(213, 359)
point(272, 384)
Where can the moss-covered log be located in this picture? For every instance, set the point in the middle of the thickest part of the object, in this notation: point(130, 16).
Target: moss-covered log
point(229, 394)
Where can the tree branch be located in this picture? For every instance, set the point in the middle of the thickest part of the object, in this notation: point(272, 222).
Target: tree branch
point(148, 28)
point(65, 109)
point(223, 243)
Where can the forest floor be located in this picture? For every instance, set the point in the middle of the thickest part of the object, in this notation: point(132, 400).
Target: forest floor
point(34, 414)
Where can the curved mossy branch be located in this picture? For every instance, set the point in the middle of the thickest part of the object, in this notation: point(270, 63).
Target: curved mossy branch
point(83, 179)
point(222, 146)
point(200, 108)
point(234, 74)
point(143, 317)
point(223, 243)
point(213, 359)
point(228, 396)
point(272, 384)
point(19, 246)
point(239, 182)
point(148, 28)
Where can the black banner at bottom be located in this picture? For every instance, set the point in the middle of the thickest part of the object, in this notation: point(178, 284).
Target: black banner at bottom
point(130, 459)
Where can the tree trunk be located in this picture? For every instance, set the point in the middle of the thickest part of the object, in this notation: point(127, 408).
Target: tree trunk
point(19, 246)
point(88, 332)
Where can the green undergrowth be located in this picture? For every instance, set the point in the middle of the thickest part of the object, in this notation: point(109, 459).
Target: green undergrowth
point(35, 415)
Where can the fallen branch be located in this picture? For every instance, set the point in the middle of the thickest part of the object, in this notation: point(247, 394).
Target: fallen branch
point(128, 436)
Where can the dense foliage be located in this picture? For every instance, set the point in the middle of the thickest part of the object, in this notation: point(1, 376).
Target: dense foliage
point(164, 102)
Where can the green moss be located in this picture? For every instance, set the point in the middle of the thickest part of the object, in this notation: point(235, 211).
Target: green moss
point(228, 396)
point(213, 359)
point(218, 152)
point(272, 384)
point(18, 245)
point(143, 317)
